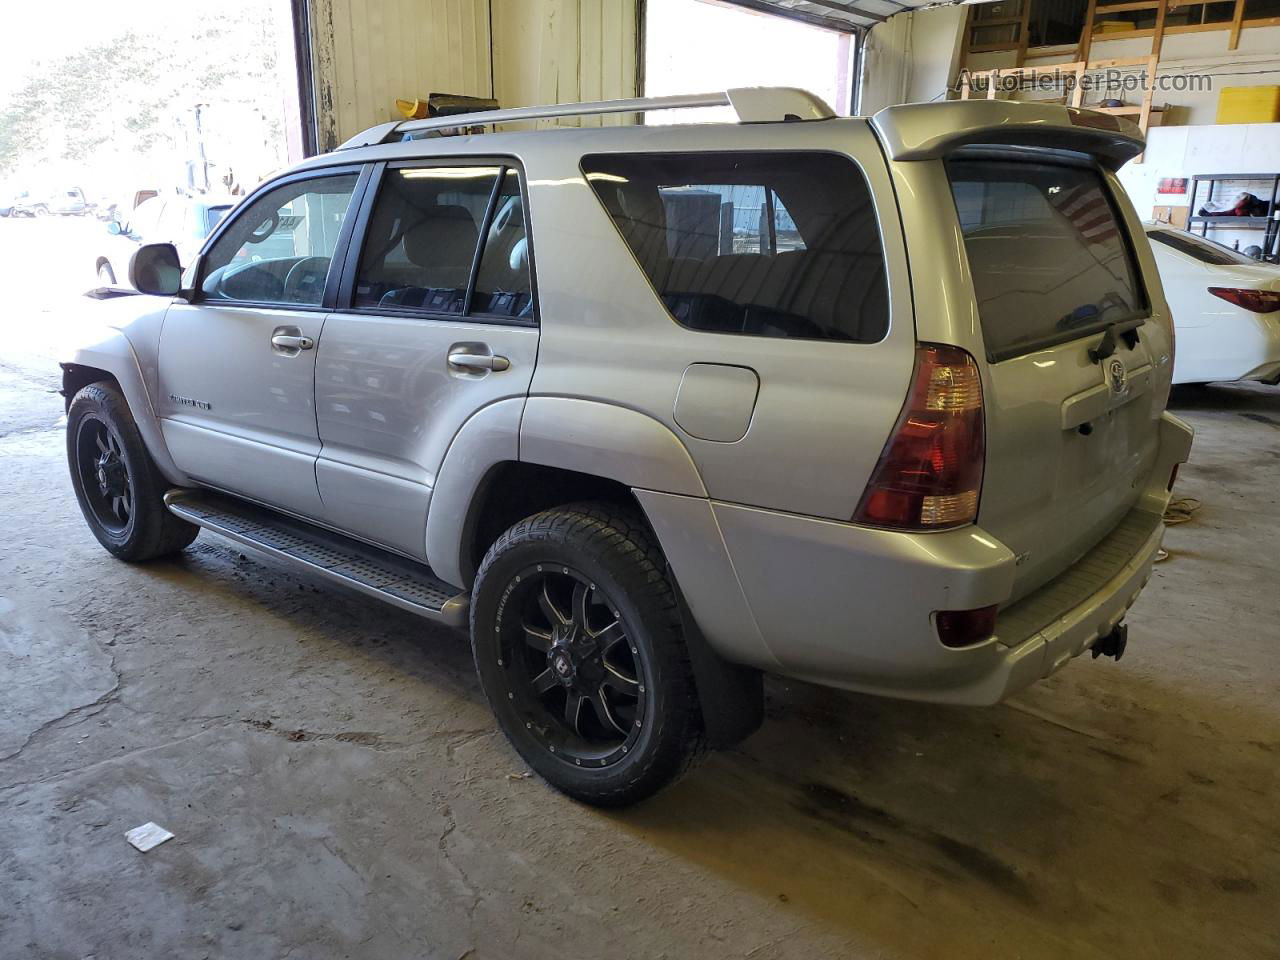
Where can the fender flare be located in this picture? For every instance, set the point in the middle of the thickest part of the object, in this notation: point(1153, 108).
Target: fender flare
point(606, 440)
point(113, 354)
point(597, 439)
point(490, 436)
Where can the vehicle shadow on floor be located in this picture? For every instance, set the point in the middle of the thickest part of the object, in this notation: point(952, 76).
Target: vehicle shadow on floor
point(1114, 809)
point(1243, 398)
point(1074, 805)
point(1100, 803)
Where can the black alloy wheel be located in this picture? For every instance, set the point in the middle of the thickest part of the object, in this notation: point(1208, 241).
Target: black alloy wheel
point(574, 675)
point(104, 474)
point(579, 646)
point(119, 487)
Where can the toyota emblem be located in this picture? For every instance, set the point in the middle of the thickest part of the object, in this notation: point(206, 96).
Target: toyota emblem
point(1117, 376)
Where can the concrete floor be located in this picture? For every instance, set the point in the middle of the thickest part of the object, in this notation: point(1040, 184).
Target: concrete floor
point(338, 789)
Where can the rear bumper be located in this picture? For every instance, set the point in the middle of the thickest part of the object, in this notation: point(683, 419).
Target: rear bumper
point(851, 607)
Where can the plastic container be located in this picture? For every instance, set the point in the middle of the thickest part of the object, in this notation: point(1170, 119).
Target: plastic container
point(1260, 104)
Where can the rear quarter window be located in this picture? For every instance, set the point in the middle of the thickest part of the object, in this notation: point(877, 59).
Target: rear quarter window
point(781, 244)
point(1047, 251)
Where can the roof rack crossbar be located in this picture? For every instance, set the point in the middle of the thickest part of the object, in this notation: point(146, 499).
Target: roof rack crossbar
point(752, 104)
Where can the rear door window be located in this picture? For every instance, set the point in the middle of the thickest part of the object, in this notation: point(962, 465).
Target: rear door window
point(1048, 253)
point(771, 244)
point(420, 248)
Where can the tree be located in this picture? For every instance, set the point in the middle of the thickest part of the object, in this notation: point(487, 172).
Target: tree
point(125, 106)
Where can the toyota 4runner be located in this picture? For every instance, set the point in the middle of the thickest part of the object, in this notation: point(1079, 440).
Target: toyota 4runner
point(876, 403)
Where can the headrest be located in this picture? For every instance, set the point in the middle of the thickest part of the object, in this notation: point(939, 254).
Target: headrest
point(446, 237)
point(518, 259)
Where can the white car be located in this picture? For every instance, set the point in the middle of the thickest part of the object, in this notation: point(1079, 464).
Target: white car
point(1226, 308)
point(182, 221)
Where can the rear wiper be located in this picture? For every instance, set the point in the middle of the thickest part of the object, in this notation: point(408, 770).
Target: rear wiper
point(1126, 329)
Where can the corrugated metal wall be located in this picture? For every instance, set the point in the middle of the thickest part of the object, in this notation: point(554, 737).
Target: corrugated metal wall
point(368, 52)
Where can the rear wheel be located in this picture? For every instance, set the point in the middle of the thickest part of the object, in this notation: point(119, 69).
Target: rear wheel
point(577, 641)
point(120, 490)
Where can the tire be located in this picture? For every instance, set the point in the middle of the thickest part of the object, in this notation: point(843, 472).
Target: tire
point(119, 487)
point(106, 275)
point(603, 706)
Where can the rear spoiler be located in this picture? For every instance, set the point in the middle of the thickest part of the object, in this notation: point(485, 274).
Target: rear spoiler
point(927, 131)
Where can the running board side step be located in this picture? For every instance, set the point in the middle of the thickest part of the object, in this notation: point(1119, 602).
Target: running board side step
point(391, 578)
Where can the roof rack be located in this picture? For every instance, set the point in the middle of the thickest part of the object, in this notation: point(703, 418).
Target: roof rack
point(752, 104)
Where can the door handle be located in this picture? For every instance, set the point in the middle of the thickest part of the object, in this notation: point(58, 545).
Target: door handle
point(478, 361)
point(287, 341)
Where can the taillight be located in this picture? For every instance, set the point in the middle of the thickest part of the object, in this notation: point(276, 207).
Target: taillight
point(930, 472)
point(1255, 301)
point(963, 628)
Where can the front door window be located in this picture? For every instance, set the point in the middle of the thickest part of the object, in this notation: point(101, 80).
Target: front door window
point(279, 249)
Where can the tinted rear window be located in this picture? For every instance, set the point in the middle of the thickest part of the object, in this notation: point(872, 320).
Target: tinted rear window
point(761, 244)
point(1048, 254)
point(1206, 251)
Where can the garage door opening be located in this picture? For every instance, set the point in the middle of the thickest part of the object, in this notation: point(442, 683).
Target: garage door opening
point(694, 46)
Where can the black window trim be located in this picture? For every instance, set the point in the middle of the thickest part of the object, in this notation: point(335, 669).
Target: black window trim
point(361, 171)
point(1060, 158)
point(344, 300)
point(825, 151)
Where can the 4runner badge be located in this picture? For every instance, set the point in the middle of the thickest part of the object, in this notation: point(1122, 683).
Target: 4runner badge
point(1117, 376)
point(188, 402)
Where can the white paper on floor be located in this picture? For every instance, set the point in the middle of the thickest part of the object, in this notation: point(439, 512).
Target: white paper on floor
point(147, 836)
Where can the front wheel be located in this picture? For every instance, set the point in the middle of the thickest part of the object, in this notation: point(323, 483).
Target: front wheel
point(120, 489)
point(577, 640)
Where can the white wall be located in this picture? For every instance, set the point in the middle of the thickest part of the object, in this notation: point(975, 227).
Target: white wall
point(365, 55)
point(911, 57)
point(1186, 151)
point(368, 53)
point(559, 51)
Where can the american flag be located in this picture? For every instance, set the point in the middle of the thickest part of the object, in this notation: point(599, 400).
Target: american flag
point(1088, 210)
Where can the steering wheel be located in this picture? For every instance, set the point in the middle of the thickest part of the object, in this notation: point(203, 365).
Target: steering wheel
point(303, 278)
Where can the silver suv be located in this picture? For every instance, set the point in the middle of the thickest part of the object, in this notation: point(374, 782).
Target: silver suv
point(876, 403)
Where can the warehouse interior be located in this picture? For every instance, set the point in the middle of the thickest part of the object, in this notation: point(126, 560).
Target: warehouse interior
point(324, 770)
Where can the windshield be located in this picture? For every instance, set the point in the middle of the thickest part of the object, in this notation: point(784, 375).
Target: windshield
point(1048, 253)
point(212, 215)
point(1206, 251)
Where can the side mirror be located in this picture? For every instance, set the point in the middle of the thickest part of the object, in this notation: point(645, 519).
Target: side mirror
point(154, 269)
point(114, 228)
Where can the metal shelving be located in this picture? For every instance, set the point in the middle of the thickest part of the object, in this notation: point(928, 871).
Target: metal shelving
point(1268, 224)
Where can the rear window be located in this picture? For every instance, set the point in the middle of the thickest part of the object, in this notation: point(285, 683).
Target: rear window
point(759, 244)
point(1206, 251)
point(1048, 254)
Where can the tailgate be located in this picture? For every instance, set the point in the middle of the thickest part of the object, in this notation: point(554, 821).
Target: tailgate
point(1072, 435)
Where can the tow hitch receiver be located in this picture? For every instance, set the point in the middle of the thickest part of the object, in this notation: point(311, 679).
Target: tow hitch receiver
point(1113, 644)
